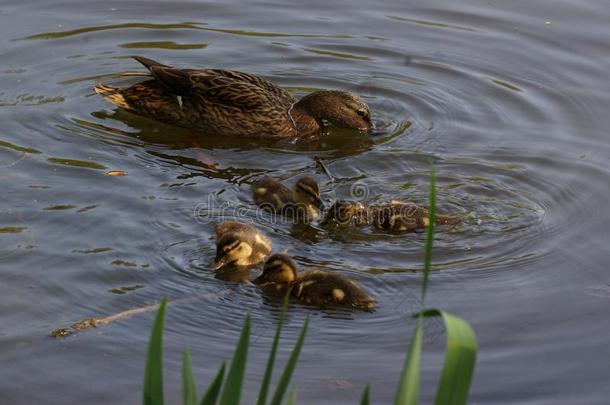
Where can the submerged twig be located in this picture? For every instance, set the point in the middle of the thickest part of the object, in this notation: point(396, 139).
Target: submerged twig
point(89, 323)
point(324, 168)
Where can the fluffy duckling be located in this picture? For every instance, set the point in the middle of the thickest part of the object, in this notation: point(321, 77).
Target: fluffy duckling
point(240, 245)
point(397, 216)
point(302, 202)
point(313, 287)
point(346, 213)
point(232, 103)
point(394, 216)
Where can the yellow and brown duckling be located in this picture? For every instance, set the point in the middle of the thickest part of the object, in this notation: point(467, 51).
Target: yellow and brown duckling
point(302, 202)
point(346, 213)
point(394, 216)
point(312, 287)
point(232, 103)
point(240, 245)
point(397, 216)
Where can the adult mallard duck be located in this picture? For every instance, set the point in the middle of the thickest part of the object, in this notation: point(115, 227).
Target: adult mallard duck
point(240, 245)
point(313, 287)
point(232, 103)
point(303, 202)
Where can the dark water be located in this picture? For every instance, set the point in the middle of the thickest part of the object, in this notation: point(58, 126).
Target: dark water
point(510, 100)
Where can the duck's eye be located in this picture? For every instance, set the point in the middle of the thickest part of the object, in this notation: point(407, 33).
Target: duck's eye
point(362, 113)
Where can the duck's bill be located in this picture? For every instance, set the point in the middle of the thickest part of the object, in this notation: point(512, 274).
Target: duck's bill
point(366, 130)
point(219, 263)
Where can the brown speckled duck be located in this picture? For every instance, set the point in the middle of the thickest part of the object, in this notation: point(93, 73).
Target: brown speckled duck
point(240, 245)
point(232, 103)
point(313, 287)
point(394, 216)
point(302, 202)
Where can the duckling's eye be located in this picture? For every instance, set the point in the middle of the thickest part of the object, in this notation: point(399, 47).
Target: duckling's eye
point(362, 113)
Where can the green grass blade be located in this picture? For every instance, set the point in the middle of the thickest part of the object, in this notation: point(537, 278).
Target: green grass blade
point(280, 390)
point(262, 396)
point(292, 397)
point(408, 390)
point(429, 233)
point(153, 373)
point(189, 390)
point(460, 358)
point(366, 396)
point(233, 385)
point(211, 395)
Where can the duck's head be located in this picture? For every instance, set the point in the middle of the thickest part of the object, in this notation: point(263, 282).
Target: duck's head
point(307, 192)
point(279, 269)
point(340, 108)
point(231, 249)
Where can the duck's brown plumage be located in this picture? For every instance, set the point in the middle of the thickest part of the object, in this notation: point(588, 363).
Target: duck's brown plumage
point(233, 103)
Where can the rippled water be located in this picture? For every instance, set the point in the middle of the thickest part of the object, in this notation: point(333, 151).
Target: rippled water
point(509, 100)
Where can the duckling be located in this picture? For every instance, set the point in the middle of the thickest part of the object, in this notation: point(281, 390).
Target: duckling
point(346, 213)
point(397, 216)
point(302, 202)
point(313, 287)
point(240, 245)
point(394, 216)
point(233, 103)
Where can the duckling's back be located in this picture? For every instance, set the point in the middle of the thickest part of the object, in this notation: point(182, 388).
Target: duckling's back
point(322, 288)
point(271, 194)
point(226, 227)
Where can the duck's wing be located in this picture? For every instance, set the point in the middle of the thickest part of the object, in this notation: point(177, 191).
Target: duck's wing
point(227, 87)
point(268, 86)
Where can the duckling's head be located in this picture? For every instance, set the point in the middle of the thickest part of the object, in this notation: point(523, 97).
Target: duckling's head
point(307, 192)
point(231, 249)
point(343, 212)
point(279, 269)
point(340, 108)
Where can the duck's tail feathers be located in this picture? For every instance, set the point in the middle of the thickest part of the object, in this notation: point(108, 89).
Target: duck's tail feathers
point(112, 94)
point(149, 63)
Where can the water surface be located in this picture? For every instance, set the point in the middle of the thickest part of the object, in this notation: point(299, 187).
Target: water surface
point(509, 100)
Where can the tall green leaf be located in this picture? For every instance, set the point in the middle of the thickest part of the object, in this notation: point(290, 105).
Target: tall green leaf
point(262, 396)
point(153, 373)
point(429, 233)
point(366, 396)
point(460, 358)
point(189, 390)
point(280, 390)
point(233, 385)
point(211, 395)
point(292, 397)
point(408, 390)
